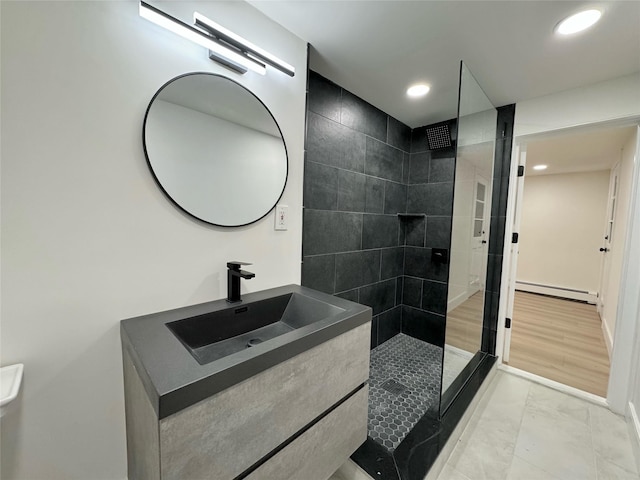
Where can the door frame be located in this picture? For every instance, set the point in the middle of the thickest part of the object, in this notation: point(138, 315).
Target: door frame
point(605, 264)
point(628, 302)
point(513, 217)
point(609, 222)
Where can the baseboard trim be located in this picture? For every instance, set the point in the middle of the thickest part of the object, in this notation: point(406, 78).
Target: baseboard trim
point(555, 291)
point(457, 301)
point(608, 338)
point(561, 387)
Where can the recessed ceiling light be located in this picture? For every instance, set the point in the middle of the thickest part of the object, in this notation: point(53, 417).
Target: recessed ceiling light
point(539, 167)
point(578, 22)
point(418, 90)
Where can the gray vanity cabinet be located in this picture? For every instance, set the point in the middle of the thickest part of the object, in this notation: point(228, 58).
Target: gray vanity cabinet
point(299, 419)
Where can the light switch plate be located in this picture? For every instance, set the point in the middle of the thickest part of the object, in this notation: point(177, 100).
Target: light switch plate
point(282, 217)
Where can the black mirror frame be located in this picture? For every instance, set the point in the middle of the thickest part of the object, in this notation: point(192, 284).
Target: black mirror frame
point(155, 177)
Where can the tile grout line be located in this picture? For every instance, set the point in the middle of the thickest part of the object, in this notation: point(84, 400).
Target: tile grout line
point(335, 272)
point(364, 134)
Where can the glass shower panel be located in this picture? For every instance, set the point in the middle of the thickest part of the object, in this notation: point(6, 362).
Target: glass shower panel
point(469, 235)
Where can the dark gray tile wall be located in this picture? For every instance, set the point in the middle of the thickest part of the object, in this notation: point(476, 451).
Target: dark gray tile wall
point(356, 159)
point(430, 194)
point(426, 326)
point(327, 231)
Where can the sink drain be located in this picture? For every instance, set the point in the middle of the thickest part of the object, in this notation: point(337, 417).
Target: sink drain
point(253, 342)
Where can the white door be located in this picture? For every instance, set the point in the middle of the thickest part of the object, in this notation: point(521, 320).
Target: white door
point(479, 235)
point(608, 239)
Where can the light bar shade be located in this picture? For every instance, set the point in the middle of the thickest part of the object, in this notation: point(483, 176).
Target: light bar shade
point(236, 61)
point(242, 44)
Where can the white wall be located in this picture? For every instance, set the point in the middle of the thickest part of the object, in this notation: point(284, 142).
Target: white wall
point(618, 238)
point(88, 239)
point(561, 229)
point(609, 100)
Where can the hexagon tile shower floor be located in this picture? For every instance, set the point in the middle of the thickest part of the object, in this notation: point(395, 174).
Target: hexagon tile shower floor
point(404, 384)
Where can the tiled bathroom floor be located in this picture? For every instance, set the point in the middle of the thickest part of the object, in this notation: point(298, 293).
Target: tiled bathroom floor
point(404, 384)
point(530, 432)
point(525, 431)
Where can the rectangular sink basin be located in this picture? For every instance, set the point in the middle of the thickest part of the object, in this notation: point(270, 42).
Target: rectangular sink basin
point(187, 354)
point(211, 336)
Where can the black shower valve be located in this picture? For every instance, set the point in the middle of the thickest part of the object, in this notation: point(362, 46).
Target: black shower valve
point(440, 255)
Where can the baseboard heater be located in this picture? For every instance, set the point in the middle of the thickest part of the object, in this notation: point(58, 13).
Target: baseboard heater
point(571, 293)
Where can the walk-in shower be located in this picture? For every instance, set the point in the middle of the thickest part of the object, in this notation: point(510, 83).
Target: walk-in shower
point(394, 220)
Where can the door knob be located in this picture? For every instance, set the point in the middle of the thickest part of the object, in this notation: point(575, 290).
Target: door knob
point(603, 249)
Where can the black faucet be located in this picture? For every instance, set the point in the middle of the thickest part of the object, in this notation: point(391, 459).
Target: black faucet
point(234, 274)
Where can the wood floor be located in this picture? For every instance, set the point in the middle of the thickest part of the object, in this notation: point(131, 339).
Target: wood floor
point(464, 324)
point(560, 340)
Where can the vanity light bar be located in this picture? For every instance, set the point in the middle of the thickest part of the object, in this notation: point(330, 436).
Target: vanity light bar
point(242, 44)
point(239, 63)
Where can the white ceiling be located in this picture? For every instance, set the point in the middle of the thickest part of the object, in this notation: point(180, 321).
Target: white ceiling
point(376, 49)
point(581, 151)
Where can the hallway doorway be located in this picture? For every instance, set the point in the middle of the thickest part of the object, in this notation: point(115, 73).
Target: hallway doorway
point(571, 217)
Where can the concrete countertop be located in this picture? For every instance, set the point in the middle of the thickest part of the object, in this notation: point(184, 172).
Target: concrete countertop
point(174, 380)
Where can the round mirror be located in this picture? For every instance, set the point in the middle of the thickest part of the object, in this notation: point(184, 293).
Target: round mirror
point(215, 149)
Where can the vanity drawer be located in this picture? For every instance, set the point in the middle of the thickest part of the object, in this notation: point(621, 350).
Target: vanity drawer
point(226, 435)
point(319, 451)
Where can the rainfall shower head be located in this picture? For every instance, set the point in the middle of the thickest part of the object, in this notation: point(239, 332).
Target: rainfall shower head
point(439, 136)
